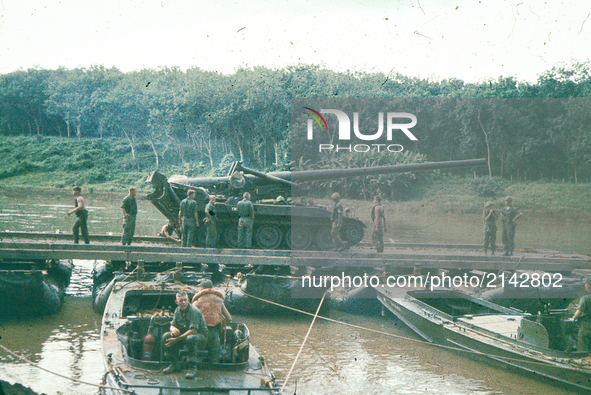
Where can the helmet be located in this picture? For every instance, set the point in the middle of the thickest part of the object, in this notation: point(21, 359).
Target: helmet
point(489, 203)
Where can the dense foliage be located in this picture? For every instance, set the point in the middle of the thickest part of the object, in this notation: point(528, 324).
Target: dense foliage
point(193, 120)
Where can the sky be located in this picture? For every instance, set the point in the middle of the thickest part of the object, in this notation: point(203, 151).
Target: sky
point(467, 39)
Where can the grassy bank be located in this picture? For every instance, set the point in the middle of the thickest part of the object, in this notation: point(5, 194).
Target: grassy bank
point(469, 195)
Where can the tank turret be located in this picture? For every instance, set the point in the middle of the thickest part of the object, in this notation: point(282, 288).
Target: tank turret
point(277, 224)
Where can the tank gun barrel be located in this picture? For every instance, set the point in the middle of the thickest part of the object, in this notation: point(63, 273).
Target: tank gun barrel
point(267, 176)
point(317, 175)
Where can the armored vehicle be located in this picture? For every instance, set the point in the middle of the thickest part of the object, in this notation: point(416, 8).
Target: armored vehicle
point(280, 222)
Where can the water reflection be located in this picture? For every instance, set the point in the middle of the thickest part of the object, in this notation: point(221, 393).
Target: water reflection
point(67, 343)
point(344, 360)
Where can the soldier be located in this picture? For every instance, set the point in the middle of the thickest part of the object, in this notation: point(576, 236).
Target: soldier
point(81, 223)
point(246, 214)
point(378, 217)
point(210, 302)
point(187, 327)
point(210, 223)
point(583, 315)
point(490, 227)
point(337, 221)
point(508, 215)
point(189, 219)
point(129, 209)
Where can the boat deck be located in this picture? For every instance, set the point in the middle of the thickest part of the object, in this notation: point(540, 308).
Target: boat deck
point(502, 324)
point(207, 380)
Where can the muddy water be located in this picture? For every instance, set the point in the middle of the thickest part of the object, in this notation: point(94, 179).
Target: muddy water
point(336, 359)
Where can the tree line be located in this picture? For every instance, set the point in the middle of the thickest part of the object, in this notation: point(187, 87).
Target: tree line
point(197, 119)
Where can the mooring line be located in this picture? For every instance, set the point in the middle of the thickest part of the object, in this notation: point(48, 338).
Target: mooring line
point(563, 361)
point(303, 343)
point(61, 375)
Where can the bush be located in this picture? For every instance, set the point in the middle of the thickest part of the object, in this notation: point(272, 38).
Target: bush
point(489, 187)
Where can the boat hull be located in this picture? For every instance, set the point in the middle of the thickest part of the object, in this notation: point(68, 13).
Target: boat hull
point(470, 340)
point(136, 308)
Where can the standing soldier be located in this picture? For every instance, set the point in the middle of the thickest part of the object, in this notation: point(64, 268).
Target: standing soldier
point(189, 219)
point(583, 315)
point(337, 221)
point(508, 216)
point(210, 223)
point(81, 223)
point(378, 217)
point(246, 214)
point(490, 227)
point(129, 208)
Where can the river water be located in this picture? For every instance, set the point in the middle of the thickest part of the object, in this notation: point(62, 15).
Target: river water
point(336, 358)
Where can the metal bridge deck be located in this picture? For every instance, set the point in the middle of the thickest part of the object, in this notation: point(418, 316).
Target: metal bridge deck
point(28, 246)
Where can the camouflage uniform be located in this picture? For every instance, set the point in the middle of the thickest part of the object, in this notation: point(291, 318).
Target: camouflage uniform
point(129, 204)
point(584, 339)
point(189, 224)
point(191, 318)
point(490, 230)
point(210, 226)
point(337, 223)
point(245, 223)
point(508, 214)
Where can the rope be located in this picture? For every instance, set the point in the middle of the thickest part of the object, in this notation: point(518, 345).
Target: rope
point(303, 343)
point(61, 375)
point(507, 359)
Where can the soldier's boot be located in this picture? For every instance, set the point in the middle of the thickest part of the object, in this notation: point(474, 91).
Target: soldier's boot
point(172, 368)
point(492, 252)
point(192, 372)
point(510, 252)
point(506, 253)
point(485, 251)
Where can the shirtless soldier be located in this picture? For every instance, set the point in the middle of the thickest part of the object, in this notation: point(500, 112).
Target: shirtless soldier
point(81, 223)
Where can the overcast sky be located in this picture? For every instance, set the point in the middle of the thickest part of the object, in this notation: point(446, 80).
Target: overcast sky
point(467, 39)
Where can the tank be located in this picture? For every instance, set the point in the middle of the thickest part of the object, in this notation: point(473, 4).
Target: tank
point(280, 222)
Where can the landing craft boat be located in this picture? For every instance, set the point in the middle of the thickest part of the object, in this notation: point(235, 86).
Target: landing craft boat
point(538, 345)
point(138, 312)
